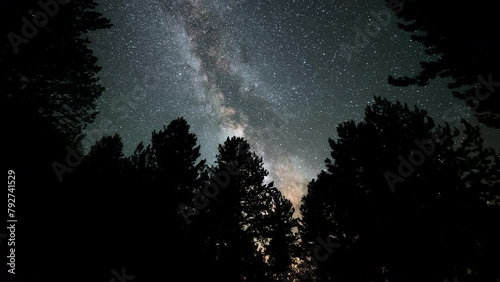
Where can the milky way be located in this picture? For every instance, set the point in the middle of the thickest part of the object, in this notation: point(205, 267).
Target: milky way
point(238, 102)
point(273, 72)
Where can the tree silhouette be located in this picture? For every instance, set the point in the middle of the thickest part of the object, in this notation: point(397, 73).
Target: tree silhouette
point(53, 76)
point(406, 200)
point(280, 240)
point(459, 37)
point(232, 218)
point(142, 166)
point(101, 208)
point(176, 152)
point(177, 173)
point(49, 87)
point(106, 156)
point(170, 171)
point(49, 80)
point(139, 195)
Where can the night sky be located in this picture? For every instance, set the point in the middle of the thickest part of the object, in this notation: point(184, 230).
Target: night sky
point(271, 71)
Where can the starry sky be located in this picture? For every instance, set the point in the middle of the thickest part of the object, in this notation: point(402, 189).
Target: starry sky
point(274, 72)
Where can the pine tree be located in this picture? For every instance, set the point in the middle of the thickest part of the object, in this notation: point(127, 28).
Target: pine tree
point(404, 198)
point(100, 211)
point(278, 230)
point(53, 76)
point(176, 154)
point(461, 46)
point(232, 216)
point(170, 172)
point(49, 87)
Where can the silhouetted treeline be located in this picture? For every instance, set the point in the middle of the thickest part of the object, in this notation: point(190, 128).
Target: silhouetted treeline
point(163, 212)
point(49, 87)
point(400, 199)
point(407, 200)
point(460, 38)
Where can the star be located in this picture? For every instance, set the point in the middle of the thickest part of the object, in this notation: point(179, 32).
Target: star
point(271, 71)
